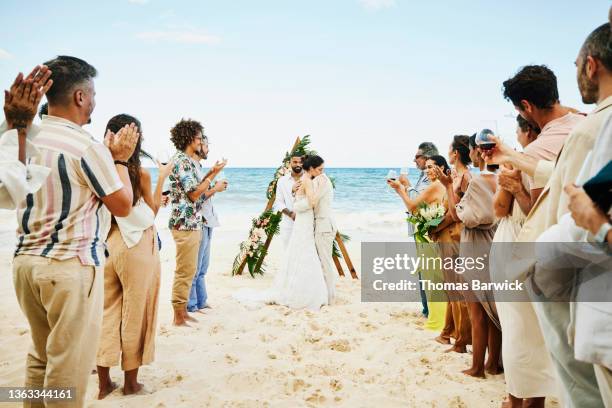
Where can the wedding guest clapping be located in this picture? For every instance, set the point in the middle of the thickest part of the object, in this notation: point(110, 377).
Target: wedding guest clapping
point(475, 211)
point(17, 179)
point(131, 276)
point(186, 221)
point(58, 261)
point(198, 297)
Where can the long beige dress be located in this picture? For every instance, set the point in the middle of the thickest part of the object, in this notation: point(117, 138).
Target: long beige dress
point(475, 210)
point(528, 368)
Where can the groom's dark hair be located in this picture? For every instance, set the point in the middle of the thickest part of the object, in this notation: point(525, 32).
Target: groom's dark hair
point(311, 162)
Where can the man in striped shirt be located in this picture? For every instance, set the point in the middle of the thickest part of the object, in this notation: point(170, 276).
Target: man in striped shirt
point(57, 268)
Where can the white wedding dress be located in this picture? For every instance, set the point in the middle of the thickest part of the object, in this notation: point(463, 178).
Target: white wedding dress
point(299, 283)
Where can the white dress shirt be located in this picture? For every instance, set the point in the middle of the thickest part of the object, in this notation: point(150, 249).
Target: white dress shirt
point(16, 179)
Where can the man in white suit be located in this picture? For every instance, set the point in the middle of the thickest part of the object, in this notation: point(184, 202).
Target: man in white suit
point(325, 226)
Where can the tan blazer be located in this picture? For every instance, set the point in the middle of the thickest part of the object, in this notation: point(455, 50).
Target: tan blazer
point(324, 219)
point(553, 202)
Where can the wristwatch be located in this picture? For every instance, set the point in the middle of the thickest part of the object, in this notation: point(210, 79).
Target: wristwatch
point(602, 234)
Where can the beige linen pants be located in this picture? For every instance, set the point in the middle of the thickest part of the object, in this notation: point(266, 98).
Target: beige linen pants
point(131, 293)
point(187, 247)
point(324, 242)
point(62, 301)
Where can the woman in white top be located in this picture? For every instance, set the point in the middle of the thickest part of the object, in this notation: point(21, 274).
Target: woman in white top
point(131, 277)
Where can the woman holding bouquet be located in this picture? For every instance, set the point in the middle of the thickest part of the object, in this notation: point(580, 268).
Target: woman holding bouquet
point(433, 195)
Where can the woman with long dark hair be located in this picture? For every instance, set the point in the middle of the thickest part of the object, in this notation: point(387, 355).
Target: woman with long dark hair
point(434, 193)
point(131, 276)
point(457, 324)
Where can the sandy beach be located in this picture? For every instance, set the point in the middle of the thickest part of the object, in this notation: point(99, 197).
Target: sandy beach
point(350, 354)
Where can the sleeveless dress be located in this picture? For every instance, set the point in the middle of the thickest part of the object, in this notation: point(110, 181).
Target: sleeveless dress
point(299, 283)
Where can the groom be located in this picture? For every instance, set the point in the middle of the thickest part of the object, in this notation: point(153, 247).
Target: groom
point(325, 227)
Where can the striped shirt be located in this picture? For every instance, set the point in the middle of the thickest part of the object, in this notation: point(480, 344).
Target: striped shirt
point(65, 219)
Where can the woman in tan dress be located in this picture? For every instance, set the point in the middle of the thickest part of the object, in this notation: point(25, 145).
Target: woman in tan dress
point(475, 210)
point(448, 233)
point(131, 278)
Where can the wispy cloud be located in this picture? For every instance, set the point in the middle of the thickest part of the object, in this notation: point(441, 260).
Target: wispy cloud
point(182, 37)
point(377, 4)
point(141, 2)
point(5, 55)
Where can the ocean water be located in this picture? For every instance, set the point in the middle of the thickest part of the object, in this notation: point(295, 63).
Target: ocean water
point(357, 190)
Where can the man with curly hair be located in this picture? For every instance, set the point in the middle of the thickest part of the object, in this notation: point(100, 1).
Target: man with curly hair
point(186, 223)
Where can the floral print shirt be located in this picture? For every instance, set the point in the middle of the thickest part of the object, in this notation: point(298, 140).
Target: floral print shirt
point(185, 214)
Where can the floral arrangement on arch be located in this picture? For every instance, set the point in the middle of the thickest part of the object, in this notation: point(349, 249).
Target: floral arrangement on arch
point(268, 223)
point(253, 249)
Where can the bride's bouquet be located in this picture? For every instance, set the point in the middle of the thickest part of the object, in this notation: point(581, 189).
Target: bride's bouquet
point(426, 218)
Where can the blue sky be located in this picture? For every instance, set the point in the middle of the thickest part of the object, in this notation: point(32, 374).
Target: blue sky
point(368, 79)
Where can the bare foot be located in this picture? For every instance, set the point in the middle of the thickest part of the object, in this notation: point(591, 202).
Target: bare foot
point(457, 349)
point(494, 370)
point(191, 319)
point(474, 372)
point(180, 322)
point(442, 340)
point(132, 389)
point(107, 389)
point(200, 311)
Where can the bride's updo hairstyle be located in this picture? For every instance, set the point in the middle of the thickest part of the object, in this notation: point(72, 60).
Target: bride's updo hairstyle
point(311, 162)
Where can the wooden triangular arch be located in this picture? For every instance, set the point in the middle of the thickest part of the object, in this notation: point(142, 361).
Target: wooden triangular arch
point(338, 240)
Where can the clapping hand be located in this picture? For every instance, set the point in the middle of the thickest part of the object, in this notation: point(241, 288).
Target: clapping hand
point(445, 179)
point(218, 166)
point(123, 143)
point(21, 101)
point(220, 186)
point(584, 211)
point(510, 180)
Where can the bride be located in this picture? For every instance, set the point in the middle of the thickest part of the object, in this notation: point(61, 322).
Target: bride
point(299, 284)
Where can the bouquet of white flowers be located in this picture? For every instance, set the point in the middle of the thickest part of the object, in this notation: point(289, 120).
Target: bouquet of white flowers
point(424, 219)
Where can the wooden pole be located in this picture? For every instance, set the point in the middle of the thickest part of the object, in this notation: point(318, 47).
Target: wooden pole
point(338, 265)
point(268, 207)
point(345, 255)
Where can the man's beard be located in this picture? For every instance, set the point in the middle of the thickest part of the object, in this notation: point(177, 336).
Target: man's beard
point(296, 169)
point(588, 91)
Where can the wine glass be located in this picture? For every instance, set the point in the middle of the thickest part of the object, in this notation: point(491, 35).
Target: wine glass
point(392, 175)
point(404, 171)
point(484, 142)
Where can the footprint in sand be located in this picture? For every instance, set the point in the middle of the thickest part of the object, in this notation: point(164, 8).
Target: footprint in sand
point(335, 384)
point(266, 338)
point(457, 402)
point(342, 346)
point(316, 398)
point(314, 326)
point(367, 327)
point(215, 328)
point(295, 385)
point(231, 360)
